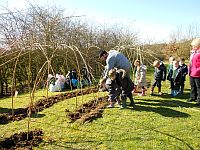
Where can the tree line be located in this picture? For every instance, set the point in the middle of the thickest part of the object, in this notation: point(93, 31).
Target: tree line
point(42, 40)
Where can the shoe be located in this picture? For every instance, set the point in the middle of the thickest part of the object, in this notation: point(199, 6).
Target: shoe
point(160, 93)
point(132, 104)
point(111, 105)
point(142, 94)
point(175, 93)
point(172, 92)
point(122, 107)
point(151, 92)
point(117, 103)
point(191, 100)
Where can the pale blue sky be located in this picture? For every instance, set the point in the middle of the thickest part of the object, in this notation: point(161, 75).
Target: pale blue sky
point(154, 19)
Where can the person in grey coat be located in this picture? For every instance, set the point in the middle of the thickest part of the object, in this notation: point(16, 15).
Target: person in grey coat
point(114, 59)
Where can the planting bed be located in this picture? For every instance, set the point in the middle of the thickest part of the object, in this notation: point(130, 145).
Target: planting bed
point(88, 111)
point(40, 105)
point(23, 140)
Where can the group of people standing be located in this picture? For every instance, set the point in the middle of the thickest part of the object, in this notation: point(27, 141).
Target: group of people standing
point(116, 79)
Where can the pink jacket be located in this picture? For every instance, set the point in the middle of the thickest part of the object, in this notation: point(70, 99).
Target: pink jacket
point(194, 68)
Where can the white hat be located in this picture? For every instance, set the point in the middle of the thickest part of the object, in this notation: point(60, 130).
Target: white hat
point(50, 76)
point(196, 42)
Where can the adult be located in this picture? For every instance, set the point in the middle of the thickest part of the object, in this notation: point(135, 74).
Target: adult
point(194, 71)
point(114, 59)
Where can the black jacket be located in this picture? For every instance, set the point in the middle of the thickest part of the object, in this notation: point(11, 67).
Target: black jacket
point(160, 73)
point(177, 76)
point(125, 83)
point(184, 70)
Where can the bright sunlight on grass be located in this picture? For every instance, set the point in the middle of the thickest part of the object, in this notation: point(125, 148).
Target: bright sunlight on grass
point(156, 122)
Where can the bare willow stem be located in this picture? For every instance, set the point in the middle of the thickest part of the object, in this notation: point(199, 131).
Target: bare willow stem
point(13, 80)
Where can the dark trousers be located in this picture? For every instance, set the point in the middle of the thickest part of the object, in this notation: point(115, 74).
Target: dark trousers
point(182, 86)
point(195, 88)
point(174, 86)
point(156, 83)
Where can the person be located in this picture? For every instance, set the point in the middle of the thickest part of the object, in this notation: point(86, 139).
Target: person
point(171, 59)
point(159, 76)
point(170, 67)
point(114, 59)
point(72, 78)
point(140, 76)
point(86, 76)
point(175, 77)
point(164, 68)
point(194, 71)
point(113, 90)
point(184, 70)
point(120, 85)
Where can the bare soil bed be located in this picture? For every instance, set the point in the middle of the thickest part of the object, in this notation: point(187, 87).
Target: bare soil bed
point(23, 140)
point(40, 105)
point(89, 111)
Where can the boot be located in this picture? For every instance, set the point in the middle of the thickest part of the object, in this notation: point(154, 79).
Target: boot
point(191, 100)
point(117, 102)
point(172, 92)
point(152, 89)
point(176, 92)
point(111, 105)
point(123, 106)
point(134, 90)
point(159, 91)
point(143, 92)
point(198, 102)
point(132, 102)
point(181, 89)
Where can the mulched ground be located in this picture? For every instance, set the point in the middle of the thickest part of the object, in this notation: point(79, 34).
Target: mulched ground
point(89, 111)
point(23, 140)
point(40, 105)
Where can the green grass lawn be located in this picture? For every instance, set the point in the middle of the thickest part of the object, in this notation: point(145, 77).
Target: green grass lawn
point(156, 122)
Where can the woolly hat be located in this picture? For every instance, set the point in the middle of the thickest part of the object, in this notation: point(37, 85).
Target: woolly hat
point(196, 42)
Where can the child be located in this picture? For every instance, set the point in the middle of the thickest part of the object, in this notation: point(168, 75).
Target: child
point(86, 76)
point(159, 76)
point(175, 77)
point(184, 70)
point(171, 59)
point(112, 88)
point(140, 76)
point(124, 83)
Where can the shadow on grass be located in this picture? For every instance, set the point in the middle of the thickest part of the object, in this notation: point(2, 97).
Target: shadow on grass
point(145, 105)
point(181, 96)
point(62, 145)
point(167, 112)
point(9, 110)
point(37, 115)
point(167, 103)
point(99, 142)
